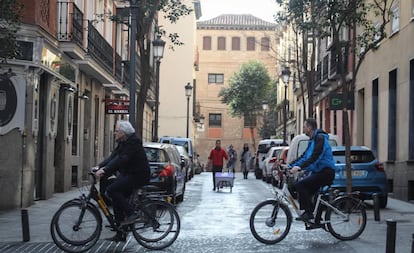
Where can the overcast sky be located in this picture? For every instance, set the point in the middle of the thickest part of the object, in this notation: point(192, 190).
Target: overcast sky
point(264, 9)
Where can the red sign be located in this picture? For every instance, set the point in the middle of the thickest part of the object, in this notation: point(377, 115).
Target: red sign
point(116, 106)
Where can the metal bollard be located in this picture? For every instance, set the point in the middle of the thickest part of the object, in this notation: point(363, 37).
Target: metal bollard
point(375, 197)
point(391, 235)
point(25, 225)
point(412, 245)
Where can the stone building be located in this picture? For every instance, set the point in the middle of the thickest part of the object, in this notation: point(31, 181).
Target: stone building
point(54, 121)
point(224, 43)
point(384, 101)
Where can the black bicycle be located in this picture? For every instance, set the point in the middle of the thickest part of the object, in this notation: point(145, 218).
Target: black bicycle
point(77, 225)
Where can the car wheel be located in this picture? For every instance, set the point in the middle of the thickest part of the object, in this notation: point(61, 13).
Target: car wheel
point(383, 201)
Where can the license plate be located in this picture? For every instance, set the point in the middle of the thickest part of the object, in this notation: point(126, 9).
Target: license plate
point(356, 173)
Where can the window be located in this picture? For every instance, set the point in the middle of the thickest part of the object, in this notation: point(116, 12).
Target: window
point(235, 43)
point(395, 22)
point(412, 9)
point(251, 44)
point(215, 78)
point(392, 114)
point(250, 121)
point(374, 116)
point(265, 44)
point(221, 43)
point(206, 43)
point(214, 120)
point(411, 113)
point(377, 35)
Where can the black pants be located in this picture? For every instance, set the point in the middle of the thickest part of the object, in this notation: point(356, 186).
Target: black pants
point(308, 186)
point(119, 191)
point(214, 170)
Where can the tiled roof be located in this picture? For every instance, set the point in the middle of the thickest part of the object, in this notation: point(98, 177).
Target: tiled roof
point(236, 22)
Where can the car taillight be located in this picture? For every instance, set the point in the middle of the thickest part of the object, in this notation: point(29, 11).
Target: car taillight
point(168, 171)
point(380, 167)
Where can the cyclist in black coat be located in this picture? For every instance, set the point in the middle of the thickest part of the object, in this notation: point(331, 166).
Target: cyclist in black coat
point(130, 160)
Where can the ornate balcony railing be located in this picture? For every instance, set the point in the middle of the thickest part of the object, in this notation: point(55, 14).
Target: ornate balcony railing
point(99, 48)
point(70, 23)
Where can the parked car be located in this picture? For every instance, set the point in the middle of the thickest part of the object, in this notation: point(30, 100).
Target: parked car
point(278, 168)
point(268, 161)
point(262, 149)
point(368, 174)
point(187, 162)
point(167, 169)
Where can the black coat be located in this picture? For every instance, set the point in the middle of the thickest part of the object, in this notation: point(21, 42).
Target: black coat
point(129, 159)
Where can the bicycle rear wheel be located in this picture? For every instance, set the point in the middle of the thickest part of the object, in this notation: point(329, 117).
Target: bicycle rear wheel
point(270, 221)
point(76, 227)
point(159, 226)
point(348, 218)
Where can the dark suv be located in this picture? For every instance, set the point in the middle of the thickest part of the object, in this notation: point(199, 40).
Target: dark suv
point(167, 169)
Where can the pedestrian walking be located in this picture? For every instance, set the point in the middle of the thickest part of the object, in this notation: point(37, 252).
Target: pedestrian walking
point(216, 159)
point(231, 164)
point(245, 160)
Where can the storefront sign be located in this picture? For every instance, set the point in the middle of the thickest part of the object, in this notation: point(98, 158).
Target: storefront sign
point(116, 106)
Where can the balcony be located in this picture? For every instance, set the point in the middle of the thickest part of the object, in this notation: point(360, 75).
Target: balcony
point(70, 30)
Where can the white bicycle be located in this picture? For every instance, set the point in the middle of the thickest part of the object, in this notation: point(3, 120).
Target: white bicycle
point(343, 215)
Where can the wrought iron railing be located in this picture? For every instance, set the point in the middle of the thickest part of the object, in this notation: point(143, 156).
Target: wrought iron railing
point(99, 48)
point(70, 23)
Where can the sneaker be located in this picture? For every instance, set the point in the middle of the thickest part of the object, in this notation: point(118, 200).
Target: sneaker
point(118, 237)
point(305, 217)
point(214, 188)
point(130, 219)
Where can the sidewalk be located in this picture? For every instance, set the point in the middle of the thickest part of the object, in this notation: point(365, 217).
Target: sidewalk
point(40, 215)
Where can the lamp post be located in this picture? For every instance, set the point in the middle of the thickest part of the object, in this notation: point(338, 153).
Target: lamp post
point(265, 107)
point(285, 77)
point(158, 47)
point(188, 90)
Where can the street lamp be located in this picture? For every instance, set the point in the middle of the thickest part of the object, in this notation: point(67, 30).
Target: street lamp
point(158, 47)
point(265, 107)
point(188, 90)
point(285, 78)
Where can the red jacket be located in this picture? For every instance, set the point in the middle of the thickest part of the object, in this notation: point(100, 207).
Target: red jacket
point(217, 156)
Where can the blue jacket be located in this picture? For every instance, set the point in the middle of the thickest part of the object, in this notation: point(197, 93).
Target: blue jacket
point(318, 154)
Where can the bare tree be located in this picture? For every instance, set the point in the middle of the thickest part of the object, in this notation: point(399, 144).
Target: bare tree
point(363, 21)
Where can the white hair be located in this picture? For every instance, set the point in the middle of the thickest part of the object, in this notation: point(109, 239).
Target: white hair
point(126, 127)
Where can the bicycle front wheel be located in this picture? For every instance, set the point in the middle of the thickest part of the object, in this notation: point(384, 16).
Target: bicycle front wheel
point(347, 219)
point(159, 225)
point(76, 227)
point(270, 221)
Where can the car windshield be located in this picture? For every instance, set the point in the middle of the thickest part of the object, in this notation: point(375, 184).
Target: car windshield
point(357, 156)
point(156, 155)
point(182, 143)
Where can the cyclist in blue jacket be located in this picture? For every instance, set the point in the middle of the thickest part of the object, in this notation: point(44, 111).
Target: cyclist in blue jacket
point(318, 160)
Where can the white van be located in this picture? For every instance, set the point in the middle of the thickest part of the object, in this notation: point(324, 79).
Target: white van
point(300, 142)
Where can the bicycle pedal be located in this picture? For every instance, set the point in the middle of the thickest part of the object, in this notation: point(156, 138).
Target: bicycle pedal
point(111, 228)
point(311, 225)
